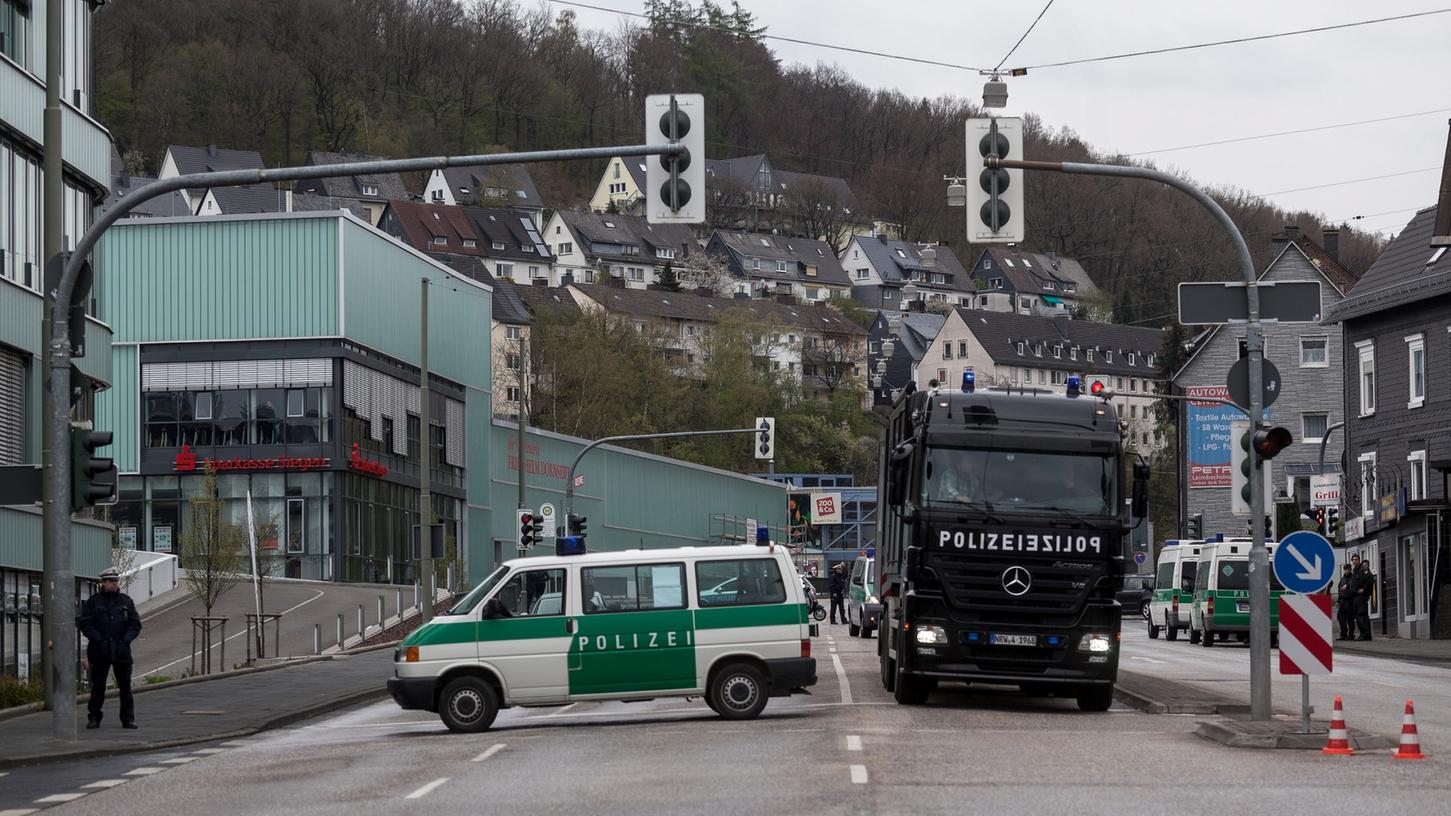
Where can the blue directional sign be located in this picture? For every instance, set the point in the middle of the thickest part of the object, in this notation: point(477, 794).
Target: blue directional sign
point(1304, 562)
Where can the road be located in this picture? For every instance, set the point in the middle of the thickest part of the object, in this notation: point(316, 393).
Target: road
point(845, 748)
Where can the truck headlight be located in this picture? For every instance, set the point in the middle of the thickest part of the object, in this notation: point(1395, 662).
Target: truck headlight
point(929, 635)
point(1095, 643)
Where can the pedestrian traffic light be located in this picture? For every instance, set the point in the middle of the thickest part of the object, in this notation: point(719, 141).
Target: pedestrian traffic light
point(1332, 522)
point(994, 195)
point(1196, 527)
point(765, 438)
point(93, 478)
point(575, 526)
point(675, 185)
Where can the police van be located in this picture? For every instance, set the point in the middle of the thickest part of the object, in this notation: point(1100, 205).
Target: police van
point(863, 606)
point(726, 623)
point(1173, 587)
point(1221, 592)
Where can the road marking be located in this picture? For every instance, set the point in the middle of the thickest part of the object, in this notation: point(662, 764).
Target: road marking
point(18, 811)
point(859, 774)
point(1147, 659)
point(427, 789)
point(853, 743)
point(319, 594)
point(106, 783)
point(833, 650)
point(61, 797)
point(493, 749)
point(209, 751)
point(841, 678)
point(561, 711)
point(144, 771)
point(179, 760)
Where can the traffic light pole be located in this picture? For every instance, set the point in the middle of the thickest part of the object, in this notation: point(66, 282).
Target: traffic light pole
point(569, 485)
point(425, 461)
point(1259, 561)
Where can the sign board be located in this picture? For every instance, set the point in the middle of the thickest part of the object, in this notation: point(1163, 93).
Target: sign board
point(1238, 383)
point(1305, 645)
point(1325, 490)
point(1354, 526)
point(1304, 562)
point(1209, 304)
point(126, 537)
point(1208, 431)
point(1140, 557)
point(161, 538)
point(826, 508)
point(547, 531)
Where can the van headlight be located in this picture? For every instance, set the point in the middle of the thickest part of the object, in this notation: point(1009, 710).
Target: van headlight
point(929, 635)
point(1096, 643)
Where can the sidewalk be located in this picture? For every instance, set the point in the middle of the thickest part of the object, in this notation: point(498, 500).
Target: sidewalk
point(207, 710)
point(1428, 651)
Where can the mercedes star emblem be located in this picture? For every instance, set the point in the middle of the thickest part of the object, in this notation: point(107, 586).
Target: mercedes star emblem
point(1016, 580)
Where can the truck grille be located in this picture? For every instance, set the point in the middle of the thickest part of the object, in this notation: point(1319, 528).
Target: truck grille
point(1056, 593)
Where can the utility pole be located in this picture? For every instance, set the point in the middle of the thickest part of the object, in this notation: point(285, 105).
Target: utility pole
point(425, 461)
point(523, 417)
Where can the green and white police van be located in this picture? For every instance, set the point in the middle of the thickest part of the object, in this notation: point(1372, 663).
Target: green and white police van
point(1173, 587)
point(863, 604)
point(725, 623)
point(1221, 593)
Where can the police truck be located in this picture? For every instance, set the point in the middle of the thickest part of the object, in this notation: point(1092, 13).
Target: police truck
point(1002, 519)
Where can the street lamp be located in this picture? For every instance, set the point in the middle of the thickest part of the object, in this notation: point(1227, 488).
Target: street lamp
point(929, 256)
point(956, 192)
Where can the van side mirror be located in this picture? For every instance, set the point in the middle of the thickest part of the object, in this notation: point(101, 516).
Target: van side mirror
point(495, 609)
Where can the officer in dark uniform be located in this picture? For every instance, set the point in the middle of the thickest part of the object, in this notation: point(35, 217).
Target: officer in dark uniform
point(109, 621)
point(1362, 584)
point(1345, 605)
point(838, 592)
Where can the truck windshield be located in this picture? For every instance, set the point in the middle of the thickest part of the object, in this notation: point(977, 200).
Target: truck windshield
point(472, 599)
point(1021, 481)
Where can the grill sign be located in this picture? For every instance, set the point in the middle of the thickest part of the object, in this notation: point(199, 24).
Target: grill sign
point(1017, 542)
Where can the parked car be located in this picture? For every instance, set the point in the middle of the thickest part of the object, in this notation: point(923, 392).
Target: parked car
point(1135, 596)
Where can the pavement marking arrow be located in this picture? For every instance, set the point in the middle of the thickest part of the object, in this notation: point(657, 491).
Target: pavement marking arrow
point(1312, 571)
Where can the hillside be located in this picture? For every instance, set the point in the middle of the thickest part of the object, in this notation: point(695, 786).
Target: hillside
point(423, 77)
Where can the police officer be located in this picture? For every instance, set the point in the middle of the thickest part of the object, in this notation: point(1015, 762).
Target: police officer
point(109, 622)
point(1361, 585)
point(838, 592)
point(1345, 605)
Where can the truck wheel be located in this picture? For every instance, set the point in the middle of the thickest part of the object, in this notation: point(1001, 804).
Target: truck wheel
point(468, 705)
point(1206, 638)
point(1194, 636)
point(1095, 698)
point(889, 674)
point(912, 690)
point(739, 692)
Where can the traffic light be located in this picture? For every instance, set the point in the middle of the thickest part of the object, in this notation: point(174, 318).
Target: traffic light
point(529, 525)
point(575, 525)
point(765, 438)
point(1254, 445)
point(1320, 520)
point(1332, 522)
point(1196, 527)
point(675, 185)
point(994, 195)
point(93, 478)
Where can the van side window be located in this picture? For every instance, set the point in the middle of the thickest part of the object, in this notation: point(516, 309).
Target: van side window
point(739, 583)
point(633, 588)
point(1166, 574)
point(1199, 580)
point(859, 571)
point(534, 593)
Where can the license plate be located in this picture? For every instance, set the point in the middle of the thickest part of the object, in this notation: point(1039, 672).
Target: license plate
point(1013, 640)
point(1242, 606)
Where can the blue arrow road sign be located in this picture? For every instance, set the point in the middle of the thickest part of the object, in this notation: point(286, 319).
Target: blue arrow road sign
point(1304, 562)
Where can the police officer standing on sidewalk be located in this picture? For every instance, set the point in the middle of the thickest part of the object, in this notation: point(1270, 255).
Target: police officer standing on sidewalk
point(838, 592)
point(1345, 605)
point(1361, 585)
point(109, 622)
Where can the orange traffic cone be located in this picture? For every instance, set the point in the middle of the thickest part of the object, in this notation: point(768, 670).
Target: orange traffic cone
point(1339, 743)
point(1410, 740)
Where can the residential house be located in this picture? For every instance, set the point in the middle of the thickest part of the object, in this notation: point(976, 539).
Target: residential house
point(124, 184)
point(371, 192)
point(509, 328)
point(183, 160)
point(622, 185)
point(1009, 280)
point(880, 266)
point(252, 198)
point(1006, 349)
point(772, 265)
point(1397, 370)
point(911, 336)
point(501, 185)
point(593, 247)
point(506, 239)
point(1309, 359)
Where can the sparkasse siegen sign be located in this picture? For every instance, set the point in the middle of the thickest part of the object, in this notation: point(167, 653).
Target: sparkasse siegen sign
point(1325, 490)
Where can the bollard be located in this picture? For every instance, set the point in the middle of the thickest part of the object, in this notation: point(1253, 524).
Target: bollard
point(340, 631)
point(317, 638)
point(380, 611)
point(361, 628)
point(398, 603)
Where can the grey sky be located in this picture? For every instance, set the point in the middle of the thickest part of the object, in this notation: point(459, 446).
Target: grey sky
point(1154, 102)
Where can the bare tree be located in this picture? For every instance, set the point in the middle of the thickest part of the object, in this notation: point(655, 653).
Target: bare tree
point(832, 361)
point(705, 273)
point(211, 548)
point(819, 209)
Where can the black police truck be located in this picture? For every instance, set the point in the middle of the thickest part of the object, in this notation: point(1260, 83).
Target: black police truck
point(1002, 515)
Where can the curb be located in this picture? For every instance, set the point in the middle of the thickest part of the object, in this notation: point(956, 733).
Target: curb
point(1225, 734)
point(1148, 705)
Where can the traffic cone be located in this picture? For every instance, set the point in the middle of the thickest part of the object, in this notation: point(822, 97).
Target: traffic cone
point(1339, 743)
point(1410, 740)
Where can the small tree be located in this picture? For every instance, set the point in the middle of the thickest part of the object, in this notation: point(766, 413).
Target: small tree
point(668, 278)
point(705, 273)
point(212, 549)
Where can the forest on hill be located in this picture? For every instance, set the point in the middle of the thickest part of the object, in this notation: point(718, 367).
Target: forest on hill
point(424, 77)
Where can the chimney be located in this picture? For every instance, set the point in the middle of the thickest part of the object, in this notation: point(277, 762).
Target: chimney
point(1332, 242)
point(882, 236)
point(212, 150)
point(1292, 232)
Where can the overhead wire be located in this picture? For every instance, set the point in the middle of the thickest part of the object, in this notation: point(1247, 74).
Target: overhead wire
point(1032, 26)
point(1256, 137)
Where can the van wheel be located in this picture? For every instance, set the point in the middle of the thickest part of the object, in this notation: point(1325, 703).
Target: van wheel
point(1153, 630)
point(1194, 636)
point(738, 692)
point(1206, 638)
point(1171, 632)
point(1095, 698)
point(468, 705)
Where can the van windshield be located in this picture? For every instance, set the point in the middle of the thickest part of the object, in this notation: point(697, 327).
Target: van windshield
point(472, 599)
point(1021, 481)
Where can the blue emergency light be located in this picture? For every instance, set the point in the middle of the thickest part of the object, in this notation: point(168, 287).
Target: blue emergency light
point(969, 382)
point(1074, 384)
point(974, 637)
point(871, 552)
point(569, 545)
point(763, 534)
point(1054, 640)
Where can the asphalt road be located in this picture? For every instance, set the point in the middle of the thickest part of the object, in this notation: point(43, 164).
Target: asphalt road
point(845, 748)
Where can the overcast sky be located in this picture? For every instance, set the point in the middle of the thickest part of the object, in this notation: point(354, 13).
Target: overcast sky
point(1162, 101)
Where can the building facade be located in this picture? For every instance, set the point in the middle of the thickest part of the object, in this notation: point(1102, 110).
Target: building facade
point(1030, 283)
point(879, 268)
point(776, 265)
point(594, 247)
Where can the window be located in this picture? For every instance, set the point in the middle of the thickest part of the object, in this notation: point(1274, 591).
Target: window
point(294, 403)
point(962, 349)
point(1367, 484)
point(616, 168)
point(566, 248)
point(1073, 353)
point(1014, 371)
point(633, 588)
point(1313, 426)
point(996, 283)
point(1134, 411)
point(504, 270)
point(1133, 384)
point(1042, 376)
point(941, 376)
point(1133, 358)
point(1108, 358)
point(1057, 352)
point(440, 240)
point(1366, 352)
point(862, 274)
point(370, 189)
point(1088, 355)
point(1313, 352)
point(534, 593)
point(1119, 384)
point(739, 583)
point(511, 332)
point(635, 273)
point(512, 393)
point(947, 350)
point(536, 273)
point(1416, 359)
point(437, 196)
point(755, 264)
point(1417, 463)
point(470, 243)
point(1021, 349)
point(497, 245)
point(780, 266)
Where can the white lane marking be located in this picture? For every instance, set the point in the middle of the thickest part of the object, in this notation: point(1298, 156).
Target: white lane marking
point(427, 789)
point(236, 744)
point(319, 594)
point(179, 760)
point(61, 797)
point(210, 751)
point(853, 743)
point(19, 811)
point(1148, 659)
point(106, 783)
point(561, 711)
point(859, 774)
point(841, 678)
point(144, 771)
point(493, 749)
point(833, 650)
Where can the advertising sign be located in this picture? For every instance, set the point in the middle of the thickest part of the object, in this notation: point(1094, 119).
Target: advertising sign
point(126, 536)
point(1209, 438)
point(161, 538)
point(1325, 490)
point(827, 508)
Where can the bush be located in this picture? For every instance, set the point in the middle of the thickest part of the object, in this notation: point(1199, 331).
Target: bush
point(15, 692)
point(153, 679)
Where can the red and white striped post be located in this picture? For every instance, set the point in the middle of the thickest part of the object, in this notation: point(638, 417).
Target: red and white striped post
point(1306, 647)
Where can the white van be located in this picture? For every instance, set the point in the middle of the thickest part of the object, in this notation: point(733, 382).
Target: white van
point(1173, 587)
point(1221, 605)
point(863, 607)
point(726, 623)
